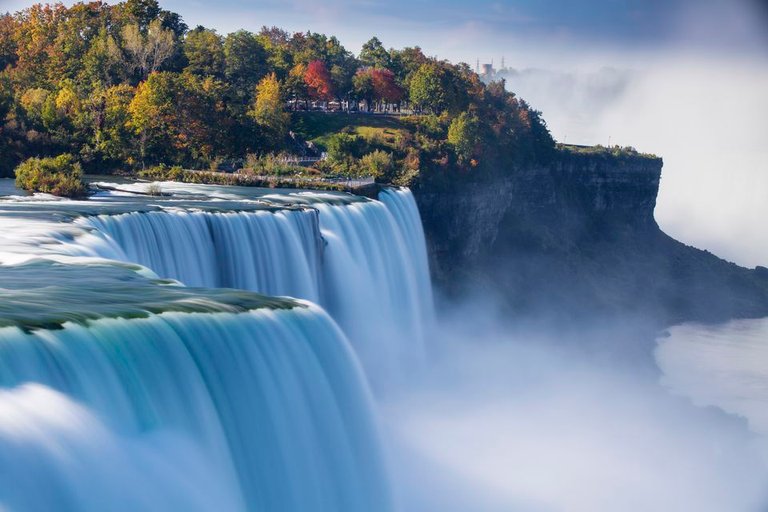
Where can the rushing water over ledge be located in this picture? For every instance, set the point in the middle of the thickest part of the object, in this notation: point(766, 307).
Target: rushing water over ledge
point(122, 391)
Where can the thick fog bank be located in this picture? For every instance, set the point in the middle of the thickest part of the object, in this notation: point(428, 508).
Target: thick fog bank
point(545, 419)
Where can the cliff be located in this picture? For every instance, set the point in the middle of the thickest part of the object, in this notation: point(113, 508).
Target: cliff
point(577, 238)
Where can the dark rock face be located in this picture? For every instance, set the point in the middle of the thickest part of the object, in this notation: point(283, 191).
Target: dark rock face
point(576, 239)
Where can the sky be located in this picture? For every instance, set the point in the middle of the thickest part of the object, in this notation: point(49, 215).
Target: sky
point(684, 79)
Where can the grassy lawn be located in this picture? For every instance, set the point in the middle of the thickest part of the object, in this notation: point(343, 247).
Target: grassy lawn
point(317, 127)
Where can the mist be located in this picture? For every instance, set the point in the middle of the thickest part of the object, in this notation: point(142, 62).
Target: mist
point(512, 418)
point(706, 117)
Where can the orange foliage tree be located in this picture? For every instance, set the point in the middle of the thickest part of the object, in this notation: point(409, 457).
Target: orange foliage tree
point(318, 81)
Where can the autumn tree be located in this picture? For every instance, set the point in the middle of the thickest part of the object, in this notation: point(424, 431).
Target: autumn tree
point(35, 39)
point(295, 85)
point(318, 81)
point(112, 140)
point(385, 87)
point(8, 46)
point(151, 111)
point(148, 50)
point(268, 110)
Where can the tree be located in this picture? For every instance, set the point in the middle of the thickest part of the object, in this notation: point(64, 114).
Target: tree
point(204, 51)
point(244, 61)
point(140, 12)
point(363, 87)
point(309, 47)
point(8, 46)
point(276, 43)
point(295, 85)
point(374, 54)
point(112, 140)
point(318, 81)
point(151, 112)
point(268, 110)
point(103, 62)
point(427, 89)
point(406, 62)
point(464, 136)
point(35, 43)
point(148, 51)
point(385, 86)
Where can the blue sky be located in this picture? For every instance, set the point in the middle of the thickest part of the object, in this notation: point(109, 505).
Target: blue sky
point(469, 29)
point(466, 29)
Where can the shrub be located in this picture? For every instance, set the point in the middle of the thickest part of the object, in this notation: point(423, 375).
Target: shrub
point(60, 176)
point(154, 189)
point(343, 145)
point(272, 165)
point(163, 173)
point(378, 164)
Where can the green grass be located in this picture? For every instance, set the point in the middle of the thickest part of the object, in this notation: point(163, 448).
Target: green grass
point(318, 127)
point(616, 151)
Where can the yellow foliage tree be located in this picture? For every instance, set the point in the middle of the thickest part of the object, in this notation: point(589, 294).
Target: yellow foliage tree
point(268, 112)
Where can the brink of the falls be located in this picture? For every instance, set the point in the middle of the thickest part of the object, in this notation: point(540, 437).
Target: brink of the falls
point(140, 369)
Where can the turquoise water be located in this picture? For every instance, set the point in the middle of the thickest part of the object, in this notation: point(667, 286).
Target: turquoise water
point(169, 353)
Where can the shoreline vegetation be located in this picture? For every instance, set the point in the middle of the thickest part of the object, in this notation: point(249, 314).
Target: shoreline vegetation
point(130, 89)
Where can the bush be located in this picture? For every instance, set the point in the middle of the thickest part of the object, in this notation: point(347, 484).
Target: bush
point(60, 176)
point(272, 165)
point(340, 146)
point(163, 173)
point(154, 189)
point(378, 164)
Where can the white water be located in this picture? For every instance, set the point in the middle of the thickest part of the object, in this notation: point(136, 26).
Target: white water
point(365, 262)
point(266, 410)
point(272, 253)
point(257, 411)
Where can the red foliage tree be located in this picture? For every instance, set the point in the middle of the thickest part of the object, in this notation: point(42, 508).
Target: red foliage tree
point(318, 81)
point(385, 87)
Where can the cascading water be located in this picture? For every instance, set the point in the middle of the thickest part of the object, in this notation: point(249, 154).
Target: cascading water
point(275, 253)
point(365, 262)
point(120, 391)
point(132, 395)
point(373, 284)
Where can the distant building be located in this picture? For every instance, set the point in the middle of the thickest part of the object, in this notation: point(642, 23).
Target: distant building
point(487, 71)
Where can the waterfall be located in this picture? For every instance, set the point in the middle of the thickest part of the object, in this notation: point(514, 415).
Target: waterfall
point(274, 253)
point(264, 410)
point(139, 371)
point(362, 260)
